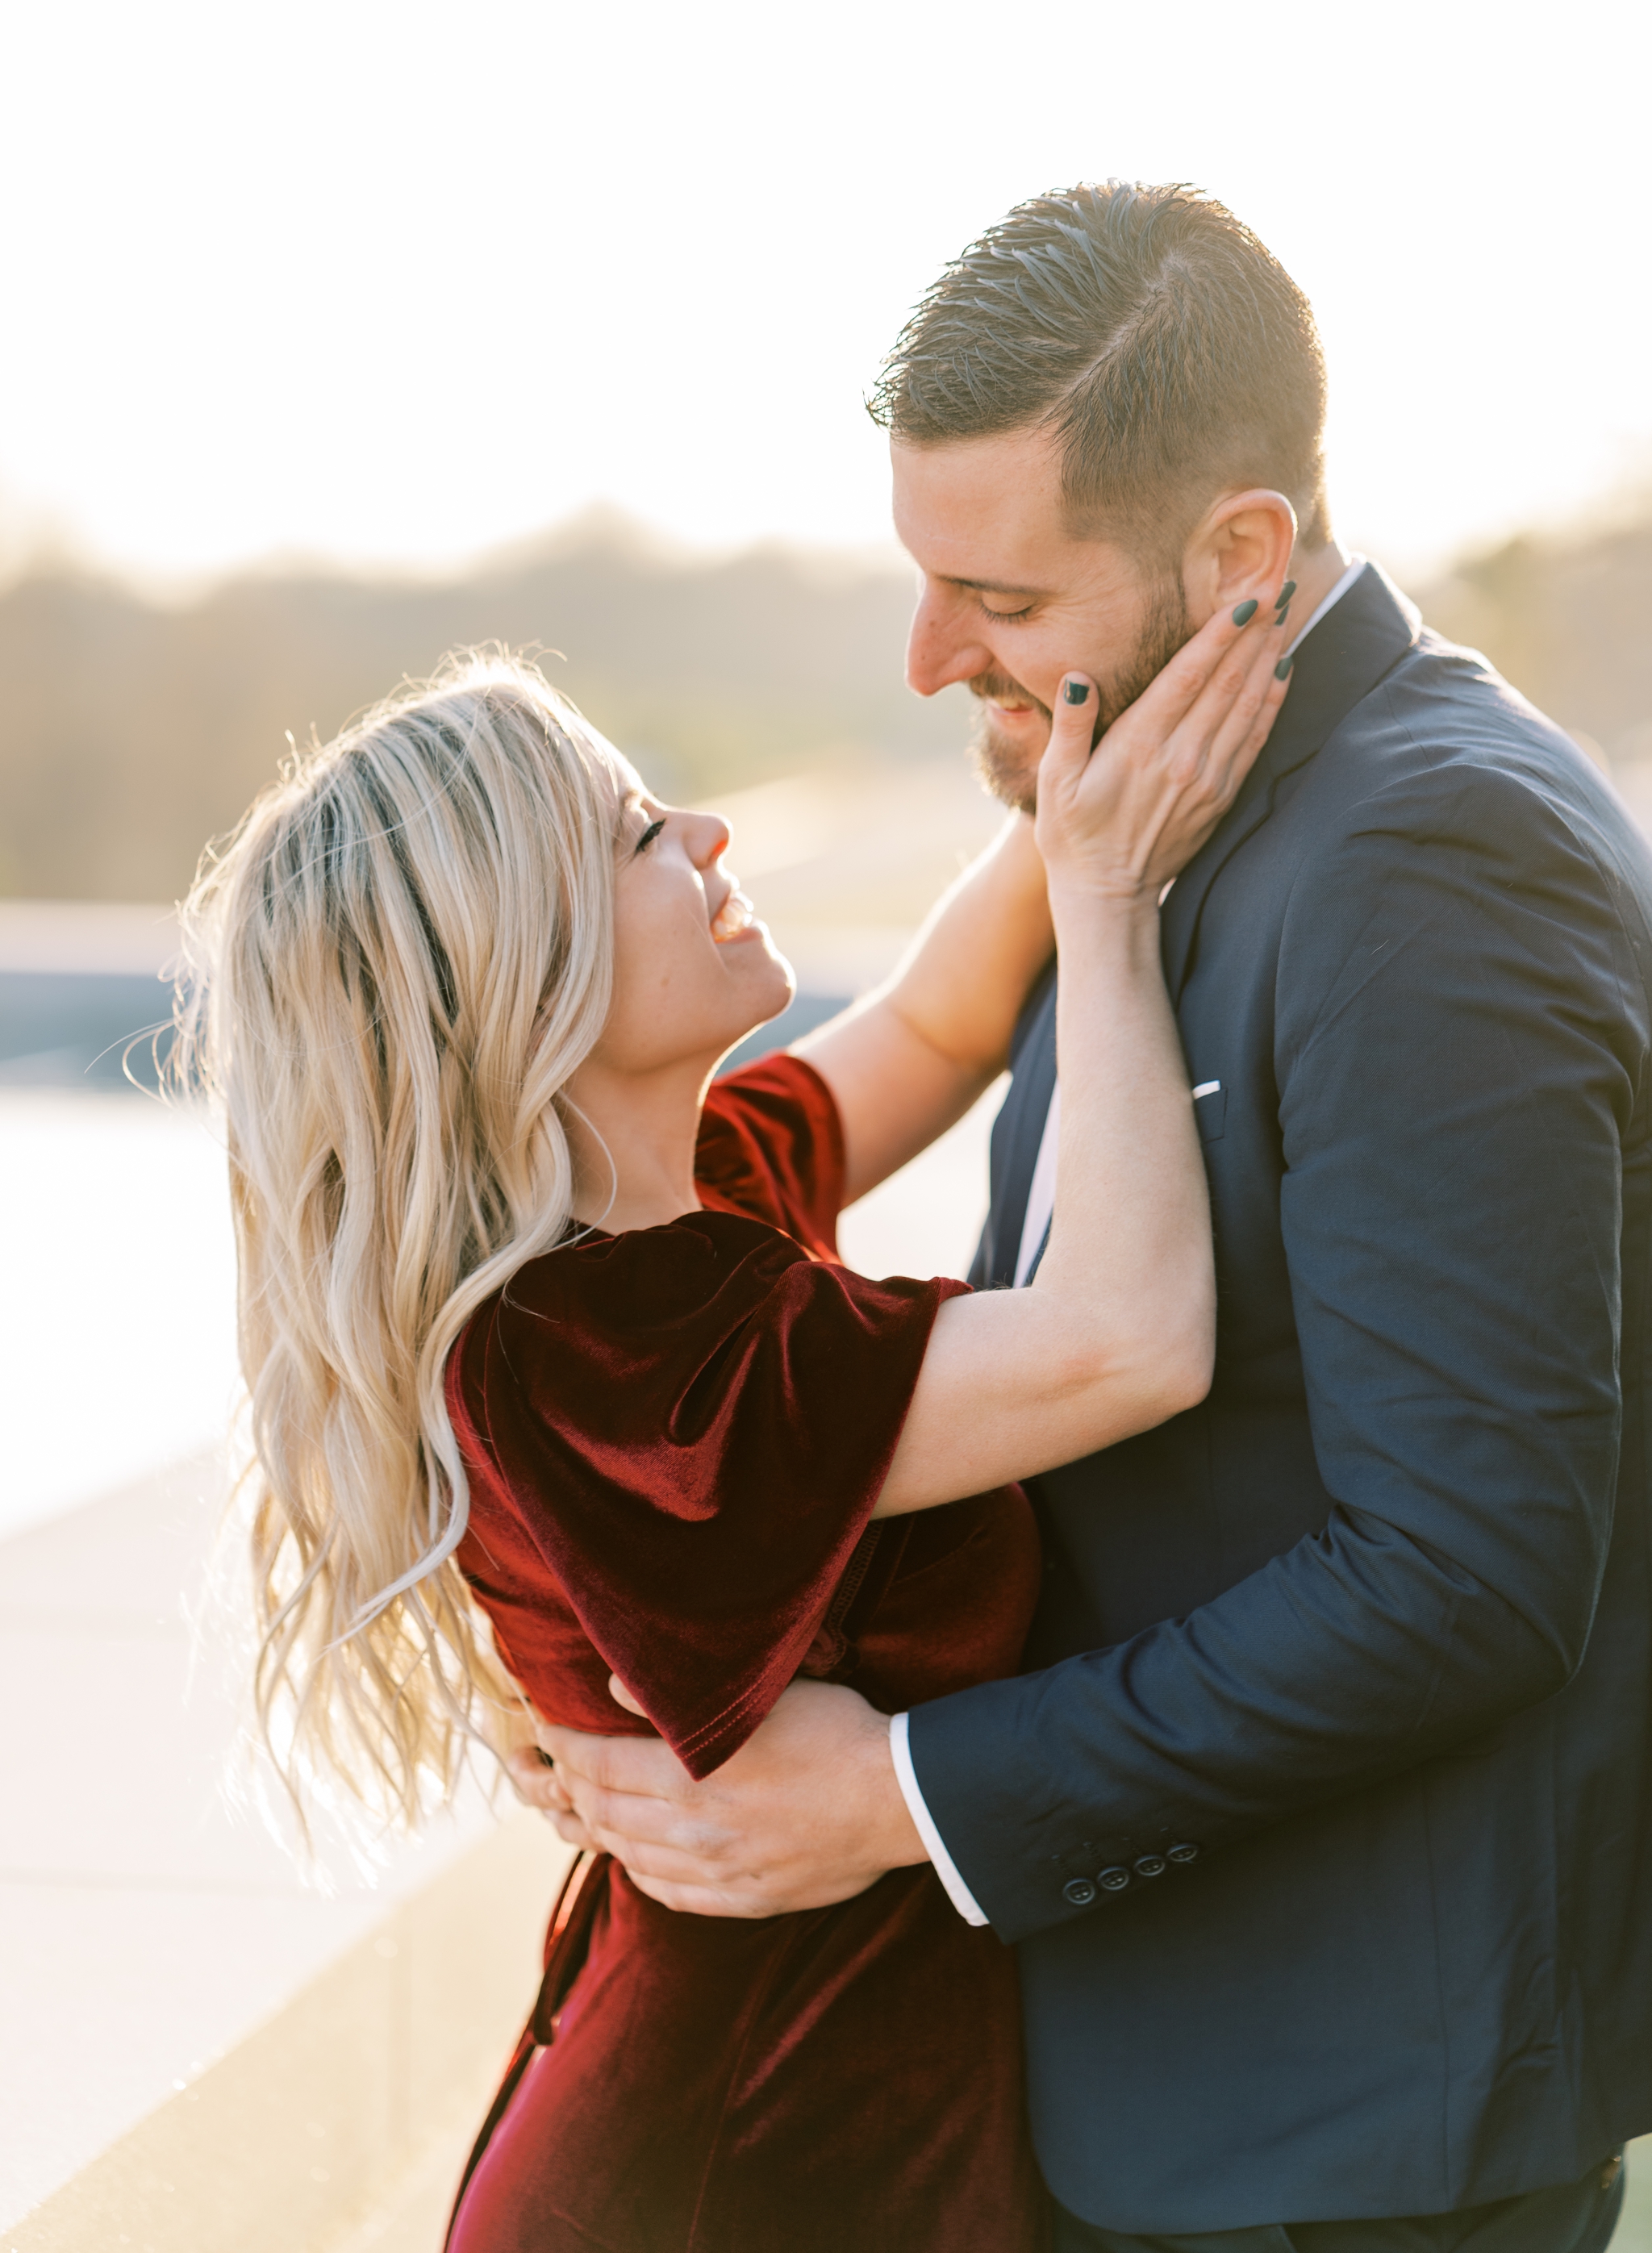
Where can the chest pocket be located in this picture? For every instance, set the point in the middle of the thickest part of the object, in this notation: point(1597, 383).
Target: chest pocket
point(1211, 1110)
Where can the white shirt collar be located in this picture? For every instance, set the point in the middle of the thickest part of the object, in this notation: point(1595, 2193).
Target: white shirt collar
point(1041, 1197)
point(1331, 600)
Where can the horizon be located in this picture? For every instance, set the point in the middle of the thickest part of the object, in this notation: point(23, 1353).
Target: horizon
point(603, 524)
point(343, 285)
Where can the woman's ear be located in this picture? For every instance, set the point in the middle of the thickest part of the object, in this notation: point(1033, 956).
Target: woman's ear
point(1242, 551)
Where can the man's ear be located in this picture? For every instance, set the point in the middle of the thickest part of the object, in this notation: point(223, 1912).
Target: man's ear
point(1240, 552)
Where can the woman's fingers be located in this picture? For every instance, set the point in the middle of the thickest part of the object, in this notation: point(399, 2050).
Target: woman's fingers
point(1246, 668)
point(1072, 732)
point(1233, 632)
point(1168, 768)
point(1233, 717)
point(1215, 747)
point(1128, 819)
point(1181, 707)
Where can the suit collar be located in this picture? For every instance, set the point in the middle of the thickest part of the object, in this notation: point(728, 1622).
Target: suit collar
point(1341, 660)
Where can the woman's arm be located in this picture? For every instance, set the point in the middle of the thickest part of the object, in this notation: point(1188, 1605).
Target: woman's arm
point(911, 1058)
point(1117, 1333)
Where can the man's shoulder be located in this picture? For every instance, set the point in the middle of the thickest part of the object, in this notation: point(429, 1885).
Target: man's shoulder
point(1443, 747)
point(1453, 700)
point(1445, 710)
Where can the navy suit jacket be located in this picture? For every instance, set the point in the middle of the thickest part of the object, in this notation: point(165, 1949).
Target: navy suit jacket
point(1322, 1816)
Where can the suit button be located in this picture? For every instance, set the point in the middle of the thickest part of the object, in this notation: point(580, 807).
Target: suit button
point(1185, 1853)
point(1149, 1865)
point(1114, 1878)
point(1079, 1892)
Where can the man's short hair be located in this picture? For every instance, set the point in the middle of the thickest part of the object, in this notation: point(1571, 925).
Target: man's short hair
point(1168, 351)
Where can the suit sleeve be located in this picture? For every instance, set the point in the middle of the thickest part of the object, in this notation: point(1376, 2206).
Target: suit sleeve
point(1459, 1055)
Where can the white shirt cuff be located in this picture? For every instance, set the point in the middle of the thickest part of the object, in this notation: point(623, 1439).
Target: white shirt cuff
point(934, 1846)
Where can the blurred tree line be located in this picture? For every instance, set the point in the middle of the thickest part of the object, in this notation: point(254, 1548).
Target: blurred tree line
point(1566, 620)
point(132, 730)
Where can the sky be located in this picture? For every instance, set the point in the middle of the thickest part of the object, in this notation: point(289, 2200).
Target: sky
point(395, 283)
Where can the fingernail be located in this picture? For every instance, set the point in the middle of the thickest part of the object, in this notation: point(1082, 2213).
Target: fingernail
point(1282, 669)
point(1246, 612)
point(1285, 594)
point(1283, 615)
point(1077, 692)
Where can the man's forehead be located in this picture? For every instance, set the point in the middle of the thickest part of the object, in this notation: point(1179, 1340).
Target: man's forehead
point(987, 514)
point(1014, 474)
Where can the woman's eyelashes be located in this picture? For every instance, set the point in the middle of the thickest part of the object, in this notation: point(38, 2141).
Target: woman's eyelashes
point(647, 837)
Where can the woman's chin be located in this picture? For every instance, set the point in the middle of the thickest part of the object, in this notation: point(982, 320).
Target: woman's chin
point(768, 983)
point(787, 976)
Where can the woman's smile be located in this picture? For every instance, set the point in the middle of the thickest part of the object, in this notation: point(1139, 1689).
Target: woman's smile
point(735, 917)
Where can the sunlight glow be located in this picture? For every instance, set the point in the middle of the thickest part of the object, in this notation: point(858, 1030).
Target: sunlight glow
point(400, 281)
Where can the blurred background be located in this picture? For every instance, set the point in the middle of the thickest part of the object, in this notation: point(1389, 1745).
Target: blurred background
point(339, 335)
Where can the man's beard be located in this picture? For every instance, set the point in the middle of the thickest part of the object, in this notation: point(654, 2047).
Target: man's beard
point(1003, 765)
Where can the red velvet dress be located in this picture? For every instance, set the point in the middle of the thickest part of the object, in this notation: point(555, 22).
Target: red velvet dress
point(675, 1438)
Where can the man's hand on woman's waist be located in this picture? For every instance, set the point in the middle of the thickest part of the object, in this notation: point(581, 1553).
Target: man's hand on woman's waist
point(807, 1813)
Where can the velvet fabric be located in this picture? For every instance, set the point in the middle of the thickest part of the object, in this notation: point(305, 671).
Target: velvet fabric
point(675, 1439)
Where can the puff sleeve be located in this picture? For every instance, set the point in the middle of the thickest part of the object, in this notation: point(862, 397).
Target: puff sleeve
point(692, 1424)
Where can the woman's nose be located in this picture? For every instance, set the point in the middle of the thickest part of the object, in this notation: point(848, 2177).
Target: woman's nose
point(708, 840)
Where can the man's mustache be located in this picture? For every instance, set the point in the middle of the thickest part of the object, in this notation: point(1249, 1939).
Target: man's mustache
point(998, 688)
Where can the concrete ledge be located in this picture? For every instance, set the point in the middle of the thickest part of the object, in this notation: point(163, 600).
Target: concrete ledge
point(134, 939)
point(387, 2059)
point(185, 2018)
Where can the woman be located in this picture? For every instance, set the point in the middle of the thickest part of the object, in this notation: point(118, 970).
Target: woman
point(554, 1375)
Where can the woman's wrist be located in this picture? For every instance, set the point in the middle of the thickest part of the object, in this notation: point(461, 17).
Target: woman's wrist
point(1122, 910)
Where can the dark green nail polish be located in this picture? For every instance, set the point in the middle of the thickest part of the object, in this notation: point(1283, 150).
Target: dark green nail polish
point(1246, 612)
point(1283, 615)
point(1285, 594)
point(1282, 669)
point(1077, 692)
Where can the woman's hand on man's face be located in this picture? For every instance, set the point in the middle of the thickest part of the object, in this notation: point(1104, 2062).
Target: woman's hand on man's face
point(1125, 819)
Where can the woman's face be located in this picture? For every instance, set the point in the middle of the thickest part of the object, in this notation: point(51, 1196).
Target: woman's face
point(694, 971)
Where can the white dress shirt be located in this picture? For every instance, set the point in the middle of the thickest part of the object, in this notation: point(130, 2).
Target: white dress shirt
point(1040, 1206)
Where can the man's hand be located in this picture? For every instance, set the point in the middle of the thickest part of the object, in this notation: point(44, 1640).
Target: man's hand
point(807, 1813)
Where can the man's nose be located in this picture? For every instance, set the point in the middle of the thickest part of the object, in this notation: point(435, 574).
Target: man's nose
point(941, 648)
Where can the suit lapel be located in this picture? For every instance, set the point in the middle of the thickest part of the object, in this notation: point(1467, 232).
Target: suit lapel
point(1017, 1131)
point(1341, 660)
point(1365, 636)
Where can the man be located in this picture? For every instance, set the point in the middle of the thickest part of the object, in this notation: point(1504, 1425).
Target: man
point(1321, 1814)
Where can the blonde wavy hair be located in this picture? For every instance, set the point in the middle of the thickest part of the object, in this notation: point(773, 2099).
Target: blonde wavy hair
point(392, 970)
